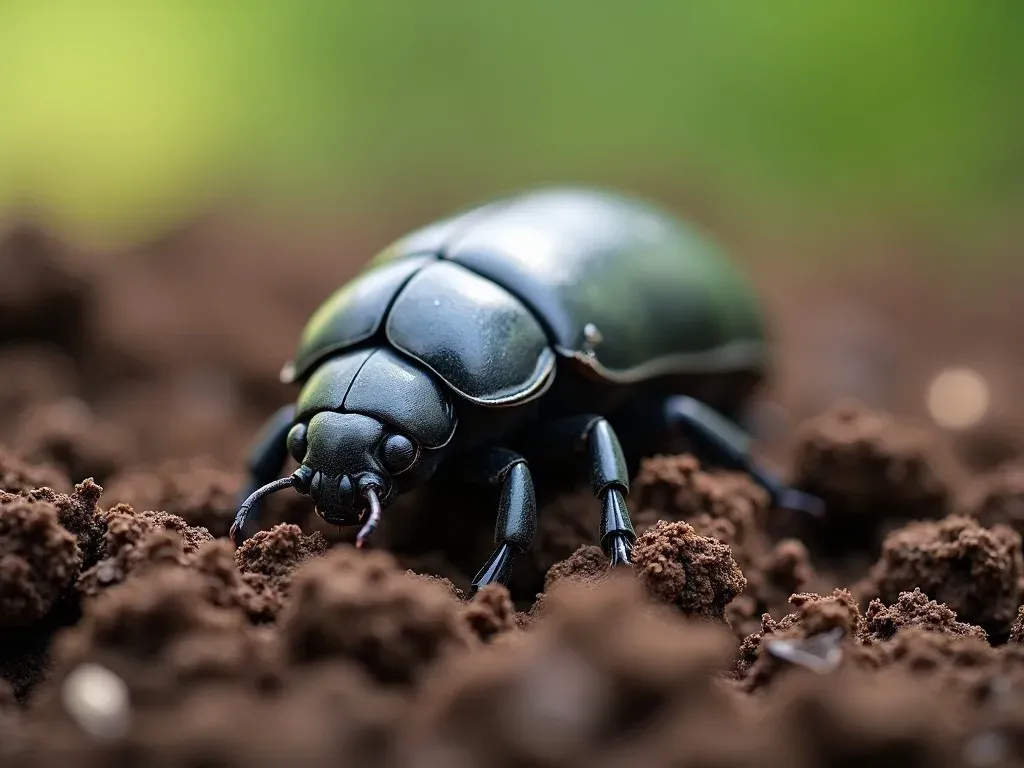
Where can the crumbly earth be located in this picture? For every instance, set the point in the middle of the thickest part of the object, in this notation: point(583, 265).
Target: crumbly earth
point(889, 632)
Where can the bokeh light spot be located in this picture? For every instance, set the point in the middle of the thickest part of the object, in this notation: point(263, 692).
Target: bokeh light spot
point(958, 398)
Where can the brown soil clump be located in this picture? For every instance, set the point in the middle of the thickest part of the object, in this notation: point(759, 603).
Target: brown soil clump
point(675, 488)
point(491, 613)
point(975, 571)
point(607, 678)
point(851, 719)
point(277, 553)
point(823, 632)
point(1017, 629)
point(871, 470)
point(19, 476)
point(161, 635)
point(696, 574)
point(45, 295)
point(135, 542)
point(914, 609)
point(196, 490)
point(997, 498)
point(362, 608)
point(80, 514)
point(728, 507)
point(38, 560)
point(587, 564)
point(32, 375)
point(133, 632)
point(68, 435)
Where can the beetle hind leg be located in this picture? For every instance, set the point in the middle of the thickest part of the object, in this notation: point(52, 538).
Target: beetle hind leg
point(516, 526)
point(724, 442)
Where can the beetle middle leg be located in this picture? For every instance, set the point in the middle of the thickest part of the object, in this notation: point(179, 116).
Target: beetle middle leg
point(516, 526)
point(726, 443)
point(267, 457)
point(609, 476)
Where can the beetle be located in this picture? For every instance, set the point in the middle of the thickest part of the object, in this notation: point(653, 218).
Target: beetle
point(550, 324)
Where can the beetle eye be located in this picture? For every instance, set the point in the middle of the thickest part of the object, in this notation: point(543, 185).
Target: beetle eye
point(399, 453)
point(297, 442)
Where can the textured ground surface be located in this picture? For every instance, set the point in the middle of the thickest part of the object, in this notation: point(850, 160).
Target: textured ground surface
point(133, 632)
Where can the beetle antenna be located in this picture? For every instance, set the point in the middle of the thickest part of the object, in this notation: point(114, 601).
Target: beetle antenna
point(266, 490)
point(370, 494)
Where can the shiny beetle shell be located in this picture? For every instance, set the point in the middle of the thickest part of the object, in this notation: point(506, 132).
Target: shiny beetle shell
point(490, 298)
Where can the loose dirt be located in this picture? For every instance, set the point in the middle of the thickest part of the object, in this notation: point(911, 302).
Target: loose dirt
point(132, 632)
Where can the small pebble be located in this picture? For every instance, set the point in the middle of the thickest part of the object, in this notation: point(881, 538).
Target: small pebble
point(98, 701)
point(819, 653)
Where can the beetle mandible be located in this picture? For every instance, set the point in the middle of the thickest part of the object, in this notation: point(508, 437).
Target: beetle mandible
point(541, 326)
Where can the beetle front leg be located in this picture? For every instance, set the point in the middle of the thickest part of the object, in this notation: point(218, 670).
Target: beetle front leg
point(725, 443)
point(516, 526)
point(609, 476)
point(267, 456)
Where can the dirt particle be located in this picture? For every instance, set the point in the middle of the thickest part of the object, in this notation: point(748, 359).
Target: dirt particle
point(587, 564)
point(923, 651)
point(1017, 630)
point(783, 571)
point(45, 295)
point(603, 678)
point(441, 581)
point(850, 719)
point(134, 542)
point(255, 595)
point(196, 490)
point(160, 634)
point(32, 375)
point(278, 552)
point(362, 607)
point(696, 574)
point(870, 470)
point(490, 612)
point(68, 435)
point(914, 609)
point(975, 571)
point(564, 525)
point(815, 616)
point(330, 711)
point(997, 498)
point(817, 613)
point(788, 566)
point(78, 513)
point(38, 559)
point(153, 550)
point(20, 476)
point(725, 505)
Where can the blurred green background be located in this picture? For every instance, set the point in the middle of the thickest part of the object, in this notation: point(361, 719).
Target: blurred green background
point(118, 117)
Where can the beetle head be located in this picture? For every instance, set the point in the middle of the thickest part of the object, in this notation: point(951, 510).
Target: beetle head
point(352, 465)
point(371, 425)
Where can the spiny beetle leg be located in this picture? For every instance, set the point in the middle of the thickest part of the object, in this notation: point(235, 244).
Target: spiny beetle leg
point(267, 457)
point(497, 569)
point(609, 476)
point(725, 443)
point(517, 510)
point(617, 534)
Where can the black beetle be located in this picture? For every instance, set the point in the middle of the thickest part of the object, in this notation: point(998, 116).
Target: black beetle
point(543, 325)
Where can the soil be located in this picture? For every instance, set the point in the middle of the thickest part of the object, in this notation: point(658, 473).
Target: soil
point(889, 632)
